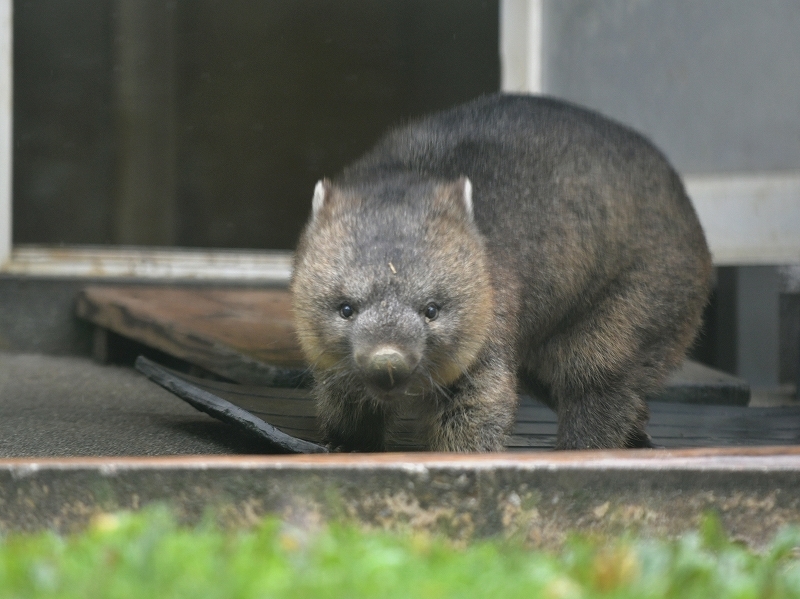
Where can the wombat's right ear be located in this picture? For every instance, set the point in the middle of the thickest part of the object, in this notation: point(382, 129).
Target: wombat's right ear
point(322, 194)
point(465, 187)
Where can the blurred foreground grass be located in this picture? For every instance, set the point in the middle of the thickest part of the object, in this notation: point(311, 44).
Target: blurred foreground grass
point(149, 555)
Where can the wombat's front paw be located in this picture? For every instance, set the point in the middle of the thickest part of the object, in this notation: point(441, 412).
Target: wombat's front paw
point(338, 448)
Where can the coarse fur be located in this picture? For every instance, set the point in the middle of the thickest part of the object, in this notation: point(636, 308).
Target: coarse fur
point(511, 242)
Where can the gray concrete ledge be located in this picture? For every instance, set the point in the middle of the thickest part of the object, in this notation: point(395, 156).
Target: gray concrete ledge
point(538, 497)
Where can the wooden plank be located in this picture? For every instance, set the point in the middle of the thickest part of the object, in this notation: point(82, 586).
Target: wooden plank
point(241, 334)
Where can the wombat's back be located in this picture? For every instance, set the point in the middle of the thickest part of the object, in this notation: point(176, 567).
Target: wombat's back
point(567, 198)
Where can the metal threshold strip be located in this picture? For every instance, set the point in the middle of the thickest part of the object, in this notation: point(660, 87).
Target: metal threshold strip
point(762, 459)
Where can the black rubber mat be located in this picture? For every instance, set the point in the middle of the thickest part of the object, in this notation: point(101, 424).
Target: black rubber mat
point(285, 418)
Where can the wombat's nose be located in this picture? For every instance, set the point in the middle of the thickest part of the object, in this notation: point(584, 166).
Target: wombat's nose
point(386, 368)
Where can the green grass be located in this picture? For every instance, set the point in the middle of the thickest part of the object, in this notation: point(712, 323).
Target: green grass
point(149, 555)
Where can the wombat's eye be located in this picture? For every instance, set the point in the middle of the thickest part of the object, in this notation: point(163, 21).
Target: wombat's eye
point(431, 311)
point(346, 311)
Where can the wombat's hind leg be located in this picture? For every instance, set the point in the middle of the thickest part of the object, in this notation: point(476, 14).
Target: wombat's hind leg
point(602, 419)
point(601, 366)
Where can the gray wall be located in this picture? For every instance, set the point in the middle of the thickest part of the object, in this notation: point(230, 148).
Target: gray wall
point(715, 83)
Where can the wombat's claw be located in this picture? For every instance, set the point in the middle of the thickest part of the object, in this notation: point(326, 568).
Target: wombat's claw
point(339, 449)
point(641, 440)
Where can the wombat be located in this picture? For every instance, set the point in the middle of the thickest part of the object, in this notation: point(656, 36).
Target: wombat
point(510, 243)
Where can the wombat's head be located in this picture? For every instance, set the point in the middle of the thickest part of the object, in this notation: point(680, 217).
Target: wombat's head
point(390, 285)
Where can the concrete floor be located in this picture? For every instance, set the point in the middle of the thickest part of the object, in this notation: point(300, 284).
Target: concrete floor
point(53, 406)
point(71, 406)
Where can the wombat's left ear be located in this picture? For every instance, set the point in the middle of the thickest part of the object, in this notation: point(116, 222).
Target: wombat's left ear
point(461, 192)
point(322, 193)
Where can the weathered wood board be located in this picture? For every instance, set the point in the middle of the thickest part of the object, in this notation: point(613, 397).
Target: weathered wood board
point(246, 335)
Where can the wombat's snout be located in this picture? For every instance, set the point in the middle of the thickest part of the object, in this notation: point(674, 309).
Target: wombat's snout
point(386, 367)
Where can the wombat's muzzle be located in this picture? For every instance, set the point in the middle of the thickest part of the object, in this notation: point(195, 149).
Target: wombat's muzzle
point(386, 367)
